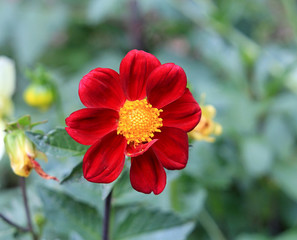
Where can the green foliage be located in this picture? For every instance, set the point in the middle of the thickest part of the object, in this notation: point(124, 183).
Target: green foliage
point(57, 143)
point(144, 224)
point(65, 215)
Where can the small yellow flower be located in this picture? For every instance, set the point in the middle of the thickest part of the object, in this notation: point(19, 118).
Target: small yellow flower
point(206, 128)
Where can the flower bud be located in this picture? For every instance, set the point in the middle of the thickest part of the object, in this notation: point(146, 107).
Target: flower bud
point(20, 151)
point(40, 96)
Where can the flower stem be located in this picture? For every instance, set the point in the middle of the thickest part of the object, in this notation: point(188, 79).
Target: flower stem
point(135, 26)
point(25, 199)
point(210, 226)
point(107, 207)
point(20, 228)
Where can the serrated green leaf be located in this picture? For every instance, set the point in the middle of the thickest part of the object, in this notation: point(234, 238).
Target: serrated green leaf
point(57, 143)
point(64, 214)
point(146, 224)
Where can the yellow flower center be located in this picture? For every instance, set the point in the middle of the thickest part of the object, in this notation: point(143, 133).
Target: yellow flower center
point(138, 121)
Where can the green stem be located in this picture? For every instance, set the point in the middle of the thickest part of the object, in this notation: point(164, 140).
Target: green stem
point(210, 226)
point(20, 228)
point(26, 205)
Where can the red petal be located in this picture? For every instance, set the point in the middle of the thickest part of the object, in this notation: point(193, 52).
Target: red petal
point(88, 125)
point(166, 84)
point(104, 161)
point(172, 148)
point(184, 113)
point(101, 88)
point(132, 151)
point(135, 68)
point(147, 173)
point(40, 171)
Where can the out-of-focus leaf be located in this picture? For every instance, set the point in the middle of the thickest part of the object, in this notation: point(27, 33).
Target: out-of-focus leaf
point(284, 173)
point(204, 166)
point(229, 62)
point(75, 236)
point(187, 197)
point(240, 114)
point(144, 224)
point(57, 143)
point(252, 237)
point(64, 214)
point(197, 11)
point(288, 235)
point(257, 157)
point(98, 10)
point(8, 11)
point(278, 135)
point(43, 21)
point(272, 65)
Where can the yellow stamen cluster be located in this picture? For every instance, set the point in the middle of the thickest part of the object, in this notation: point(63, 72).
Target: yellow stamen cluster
point(138, 121)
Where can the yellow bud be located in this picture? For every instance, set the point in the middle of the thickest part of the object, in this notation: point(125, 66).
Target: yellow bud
point(20, 151)
point(40, 96)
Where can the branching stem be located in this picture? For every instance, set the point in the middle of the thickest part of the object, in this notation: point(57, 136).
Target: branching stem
point(20, 228)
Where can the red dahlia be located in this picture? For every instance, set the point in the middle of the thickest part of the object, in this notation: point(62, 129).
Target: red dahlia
point(144, 112)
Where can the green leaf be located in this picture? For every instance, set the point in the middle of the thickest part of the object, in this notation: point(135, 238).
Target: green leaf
point(187, 199)
point(252, 237)
point(64, 215)
point(23, 122)
point(57, 143)
point(99, 10)
point(288, 235)
point(257, 157)
point(284, 173)
point(146, 224)
point(74, 175)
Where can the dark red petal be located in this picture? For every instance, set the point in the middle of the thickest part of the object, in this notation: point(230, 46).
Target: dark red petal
point(184, 113)
point(135, 68)
point(166, 84)
point(104, 160)
point(147, 173)
point(132, 151)
point(101, 88)
point(172, 148)
point(88, 125)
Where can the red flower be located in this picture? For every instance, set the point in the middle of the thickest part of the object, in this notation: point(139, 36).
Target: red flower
point(144, 112)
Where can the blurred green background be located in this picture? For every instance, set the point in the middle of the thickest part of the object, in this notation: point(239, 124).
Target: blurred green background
point(241, 54)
